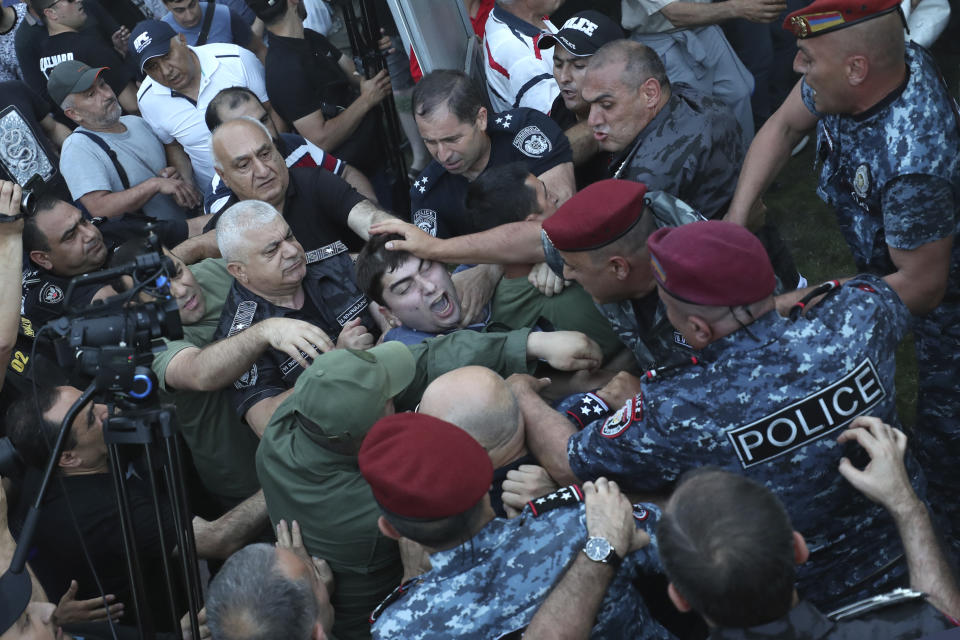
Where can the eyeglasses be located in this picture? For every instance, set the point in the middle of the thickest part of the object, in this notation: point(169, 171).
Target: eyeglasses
point(54, 3)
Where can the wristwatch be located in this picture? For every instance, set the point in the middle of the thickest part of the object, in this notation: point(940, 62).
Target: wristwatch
point(600, 550)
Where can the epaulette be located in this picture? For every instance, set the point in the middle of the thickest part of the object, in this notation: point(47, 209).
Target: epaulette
point(590, 408)
point(395, 595)
point(243, 318)
point(528, 138)
point(563, 497)
point(326, 251)
point(657, 373)
point(425, 181)
point(897, 596)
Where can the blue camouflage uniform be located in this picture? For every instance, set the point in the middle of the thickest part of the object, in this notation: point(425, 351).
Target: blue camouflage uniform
point(493, 584)
point(438, 197)
point(893, 176)
point(768, 401)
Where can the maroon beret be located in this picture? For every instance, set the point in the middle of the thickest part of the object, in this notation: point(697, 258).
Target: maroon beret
point(711, 263)
point(824, 16)
point(422, 467)
point(596, 216)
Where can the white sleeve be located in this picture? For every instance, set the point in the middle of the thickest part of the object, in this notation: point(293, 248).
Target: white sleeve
point(253, 73)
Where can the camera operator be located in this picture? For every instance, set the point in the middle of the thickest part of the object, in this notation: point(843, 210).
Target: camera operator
point(87, 490)
point(61, 243)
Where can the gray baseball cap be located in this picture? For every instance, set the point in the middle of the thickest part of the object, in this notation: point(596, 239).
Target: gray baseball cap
point(71, 76)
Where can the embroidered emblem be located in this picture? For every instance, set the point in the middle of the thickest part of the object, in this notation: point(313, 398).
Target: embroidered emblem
point(532, 142)
point(861, 181)
point(51, 294)
point(426, 219)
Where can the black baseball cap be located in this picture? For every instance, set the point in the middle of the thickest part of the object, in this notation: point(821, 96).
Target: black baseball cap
point(150, 39)
point(267, 10)
point(584, 33)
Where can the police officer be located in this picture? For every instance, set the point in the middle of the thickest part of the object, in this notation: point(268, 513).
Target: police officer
point(61, 243)
point(489, 575)
point(307, 462)
point(887, 137)
point(761, 397)
point(272, 278)
point(751, 593)
point(464, 139)
point(602, 248)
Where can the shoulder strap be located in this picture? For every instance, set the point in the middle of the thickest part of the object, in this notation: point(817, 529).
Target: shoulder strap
point(111, 153)
point(207, 21)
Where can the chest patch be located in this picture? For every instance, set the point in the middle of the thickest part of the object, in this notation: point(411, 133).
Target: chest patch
point(426, 219)
point(532, 142)
point(51, 294)
point(629, 413)
point(809, 419)
point(861, 181)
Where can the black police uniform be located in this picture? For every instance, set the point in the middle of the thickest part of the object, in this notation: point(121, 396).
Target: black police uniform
point(331, 299)
point(437, 196)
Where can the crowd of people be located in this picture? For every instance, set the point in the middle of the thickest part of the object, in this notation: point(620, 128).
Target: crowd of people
point(570, 385)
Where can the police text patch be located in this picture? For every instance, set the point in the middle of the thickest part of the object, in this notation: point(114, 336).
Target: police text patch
point(809, 419)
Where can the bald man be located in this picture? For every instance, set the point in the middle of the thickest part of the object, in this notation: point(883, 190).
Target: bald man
point(326, 214)
point(887, 135)
point(490, 413)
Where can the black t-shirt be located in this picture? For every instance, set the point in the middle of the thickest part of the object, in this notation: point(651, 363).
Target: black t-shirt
point(317, 206)
point(89, 49)
point(302, 76)
point(437, 197)
point(30, 38)
point(24, 149)
point(59, 558)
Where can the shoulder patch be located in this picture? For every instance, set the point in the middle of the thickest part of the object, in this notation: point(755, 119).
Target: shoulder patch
point(243, 317)
point(532, 142)
point(426, 219)
point(809, 419)
point(565, 496)
point(640, 513)
point(51, 294)
point(248, 379)
point(629, 413)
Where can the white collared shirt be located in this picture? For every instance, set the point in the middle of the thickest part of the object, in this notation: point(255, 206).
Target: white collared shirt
point(174, 116)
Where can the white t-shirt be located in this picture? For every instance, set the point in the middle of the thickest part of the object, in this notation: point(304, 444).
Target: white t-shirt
point(518, 73)
point(173, 116)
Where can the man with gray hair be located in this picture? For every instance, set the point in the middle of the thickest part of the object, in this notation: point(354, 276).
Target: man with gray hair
point(273, 277)
point(265, 592)
point(324, 211)
point(113, 164)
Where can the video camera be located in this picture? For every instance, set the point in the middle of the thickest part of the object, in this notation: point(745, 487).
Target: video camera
point(108, 339)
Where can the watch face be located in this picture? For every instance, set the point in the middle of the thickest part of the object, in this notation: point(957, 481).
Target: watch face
point(597, 549)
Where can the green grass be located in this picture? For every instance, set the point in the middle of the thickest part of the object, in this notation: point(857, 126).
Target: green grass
point(810, 229)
